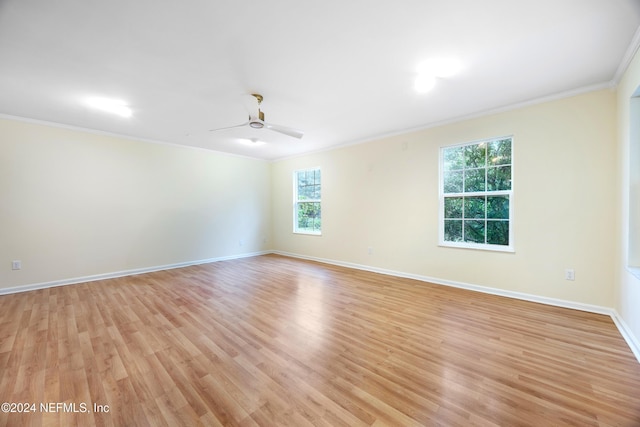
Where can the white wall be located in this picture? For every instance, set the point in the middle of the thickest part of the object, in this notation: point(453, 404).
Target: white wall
point(627, 299)
point(383, 194)
point(76, 204)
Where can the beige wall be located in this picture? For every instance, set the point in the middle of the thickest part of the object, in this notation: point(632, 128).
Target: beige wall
point(77, 204)
point(384, 194)
point(627, 299)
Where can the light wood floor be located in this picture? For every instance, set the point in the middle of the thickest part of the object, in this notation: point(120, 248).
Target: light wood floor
point(277, 341)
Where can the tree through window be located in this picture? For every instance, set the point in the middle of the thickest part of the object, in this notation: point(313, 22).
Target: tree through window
point(476, 195)
point(307, 202)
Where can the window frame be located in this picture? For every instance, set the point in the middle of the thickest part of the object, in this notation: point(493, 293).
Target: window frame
point(442, 196)
point(296, 201)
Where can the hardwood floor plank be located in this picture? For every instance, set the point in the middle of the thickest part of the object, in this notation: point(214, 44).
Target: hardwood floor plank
point(276, 341)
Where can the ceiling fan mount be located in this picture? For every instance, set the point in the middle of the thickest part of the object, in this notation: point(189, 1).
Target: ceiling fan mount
point(257, 122)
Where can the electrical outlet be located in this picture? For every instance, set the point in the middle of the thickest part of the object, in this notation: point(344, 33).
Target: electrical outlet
point(16, 265)
point(370, 250)
point(569, 274)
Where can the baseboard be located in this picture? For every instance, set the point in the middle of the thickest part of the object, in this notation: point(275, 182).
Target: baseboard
point(625, 331)
point(113, 275)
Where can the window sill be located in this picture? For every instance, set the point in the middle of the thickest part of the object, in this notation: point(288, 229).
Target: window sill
point(308, 233)
point(490, 248)
point(635, 271)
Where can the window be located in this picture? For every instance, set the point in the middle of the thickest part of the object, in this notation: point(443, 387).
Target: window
point(476, 195)
point(307, 201)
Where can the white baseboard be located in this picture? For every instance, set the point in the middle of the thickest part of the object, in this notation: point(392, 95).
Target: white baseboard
point(628, 336)
point(624, 329)
point(113, 275)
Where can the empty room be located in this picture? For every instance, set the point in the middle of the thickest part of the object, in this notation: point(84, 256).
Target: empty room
point(285, 213)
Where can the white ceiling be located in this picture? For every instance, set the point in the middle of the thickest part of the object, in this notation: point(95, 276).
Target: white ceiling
point(341, 71)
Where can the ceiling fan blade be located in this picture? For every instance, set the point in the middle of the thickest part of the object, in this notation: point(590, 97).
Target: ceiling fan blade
point(285, 130)
point(230, 127)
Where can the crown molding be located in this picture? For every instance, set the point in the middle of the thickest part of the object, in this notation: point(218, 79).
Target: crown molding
point(74, 128)
point(632, 49)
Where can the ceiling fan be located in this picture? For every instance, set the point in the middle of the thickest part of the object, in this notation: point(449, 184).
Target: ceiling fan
point(257, 122)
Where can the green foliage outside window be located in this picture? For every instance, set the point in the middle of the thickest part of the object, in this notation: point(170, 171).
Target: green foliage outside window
point(308, 201)
point(476, 183)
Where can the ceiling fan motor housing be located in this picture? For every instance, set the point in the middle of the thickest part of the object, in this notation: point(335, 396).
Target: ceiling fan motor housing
point(257, 123)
